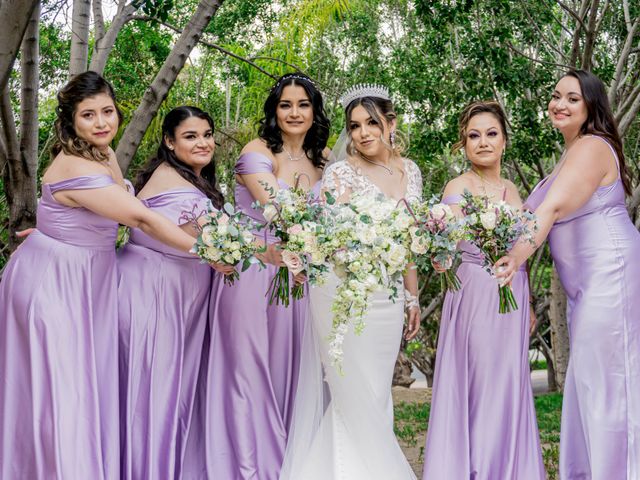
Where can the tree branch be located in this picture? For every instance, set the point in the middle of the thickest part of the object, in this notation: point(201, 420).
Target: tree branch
point(229, 53)
point(590, 36)
point(98, 19)
point(575, 15)
point(543, 62)
point(80, 21)
point(622, 60)
point(14, 17)
point(103, 47)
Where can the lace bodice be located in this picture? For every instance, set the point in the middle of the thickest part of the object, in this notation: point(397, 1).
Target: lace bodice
point(340, 176)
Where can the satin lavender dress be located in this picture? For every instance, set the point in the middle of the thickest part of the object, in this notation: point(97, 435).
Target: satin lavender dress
point(596, 250)
point(59, 345)
point(482, 424)
point(253, 364)
point(163, 298)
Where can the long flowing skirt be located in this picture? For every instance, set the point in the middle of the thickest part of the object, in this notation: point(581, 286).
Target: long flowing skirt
point(248, 381)
point(482, 424)
point(162, 319)
point(58, 357)
point(343, 423)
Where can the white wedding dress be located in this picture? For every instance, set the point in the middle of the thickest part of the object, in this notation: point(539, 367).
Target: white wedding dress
point(342, 425)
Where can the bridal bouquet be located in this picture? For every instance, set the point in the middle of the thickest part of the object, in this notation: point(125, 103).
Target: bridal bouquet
point(367, 243)
point(297, 222)
point(226, 237)
point(495, 228)
point(436, 236)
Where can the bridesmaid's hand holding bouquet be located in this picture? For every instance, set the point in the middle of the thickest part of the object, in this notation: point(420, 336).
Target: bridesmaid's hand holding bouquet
point(296, 222)
point(495, 228)
point(226, 238)
point(434, 238)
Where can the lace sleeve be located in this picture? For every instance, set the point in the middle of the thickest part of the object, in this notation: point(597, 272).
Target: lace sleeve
point(337, 178)
point(414, 181)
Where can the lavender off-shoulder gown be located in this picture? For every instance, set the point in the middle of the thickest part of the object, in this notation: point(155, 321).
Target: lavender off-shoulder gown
point(482, 424)
point(58, 345)
point(163, 298)
point(253, 363)
point(596, 250)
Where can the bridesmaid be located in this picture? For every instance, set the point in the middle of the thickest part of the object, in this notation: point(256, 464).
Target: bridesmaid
point(163, 298)
point(254, 357)
point(483, 423)
point(58, 303)
point(596, 250)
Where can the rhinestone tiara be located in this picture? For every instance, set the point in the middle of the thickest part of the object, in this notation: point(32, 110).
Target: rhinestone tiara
point(364, 90)
point(294, 76)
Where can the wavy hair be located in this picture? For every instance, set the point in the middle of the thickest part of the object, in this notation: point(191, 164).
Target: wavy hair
point(206, 181)
point(600, 120)
point(476, 108)
point(80, 87)
point(377, 108)
point(315, 140)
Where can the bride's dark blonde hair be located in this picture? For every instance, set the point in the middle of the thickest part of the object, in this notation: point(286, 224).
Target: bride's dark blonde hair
point(378, 109)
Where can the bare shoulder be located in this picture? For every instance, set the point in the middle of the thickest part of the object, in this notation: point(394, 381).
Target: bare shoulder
point(257, 145)
point(164, 178)
point(458, 185)
point(66, 166)
point(589, 150)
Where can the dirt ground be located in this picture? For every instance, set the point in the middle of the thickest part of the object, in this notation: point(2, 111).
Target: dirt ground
point(413, 453)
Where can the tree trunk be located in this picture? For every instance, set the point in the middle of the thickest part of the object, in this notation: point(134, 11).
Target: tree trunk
point(559, 330)
point(80, 22)
point(104, 45)
point(14, 17)
point(21, 170)
point(162, 83)
point(402, 370)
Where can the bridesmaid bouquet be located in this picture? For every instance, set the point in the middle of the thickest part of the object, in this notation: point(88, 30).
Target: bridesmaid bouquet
point(367, 243)
point(226, 237)
point(436, 236)
point(297, 222)
point(495, 228)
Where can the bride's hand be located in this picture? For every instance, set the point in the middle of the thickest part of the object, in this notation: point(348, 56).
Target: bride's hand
point(300, 278)
point(413, 323)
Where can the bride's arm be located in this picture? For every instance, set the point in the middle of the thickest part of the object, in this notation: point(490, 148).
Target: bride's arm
point(412, 303)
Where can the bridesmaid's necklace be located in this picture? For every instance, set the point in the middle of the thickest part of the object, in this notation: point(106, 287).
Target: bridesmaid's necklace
point(291, 157)
point(486, 182)
point(388, 169)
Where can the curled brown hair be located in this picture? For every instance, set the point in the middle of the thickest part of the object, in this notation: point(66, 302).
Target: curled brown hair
point(82, 86)
point(600, 121)
point(377, 108)
point(476, 108)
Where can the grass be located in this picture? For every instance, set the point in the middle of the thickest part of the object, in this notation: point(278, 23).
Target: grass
point(411, 420)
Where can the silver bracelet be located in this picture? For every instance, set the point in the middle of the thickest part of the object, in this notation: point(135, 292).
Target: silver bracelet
point(410, 300)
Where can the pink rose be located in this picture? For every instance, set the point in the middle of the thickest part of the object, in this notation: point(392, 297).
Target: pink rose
point(223, 219)
point(295, 229)
point(292, 261)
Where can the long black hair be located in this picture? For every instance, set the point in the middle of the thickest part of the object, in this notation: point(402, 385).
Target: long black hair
point(600, 120)
point(206, 182)
point(316, 138)
point(80, 87)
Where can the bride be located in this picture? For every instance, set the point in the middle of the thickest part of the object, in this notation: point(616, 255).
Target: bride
point(343, 424)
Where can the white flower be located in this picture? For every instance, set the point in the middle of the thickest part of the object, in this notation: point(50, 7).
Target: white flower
point(366, 235)
point(222, 229)
point(488, 220)
point(419, 245)
point(270, 212)
point(247, 236)
point(207, 236)
point(441, 210)
point(396, 256)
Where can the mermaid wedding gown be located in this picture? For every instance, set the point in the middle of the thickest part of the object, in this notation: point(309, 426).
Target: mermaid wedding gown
point(343, 424)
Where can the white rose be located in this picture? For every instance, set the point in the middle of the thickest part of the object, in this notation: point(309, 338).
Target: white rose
point(396, 256)
point(366, 235)
point(236, 255)
point(222, 229)
point(247, 236)
point(270, 212)
point(207, 236)
point(488, 220)
point(419, 246)
point(441, 210)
